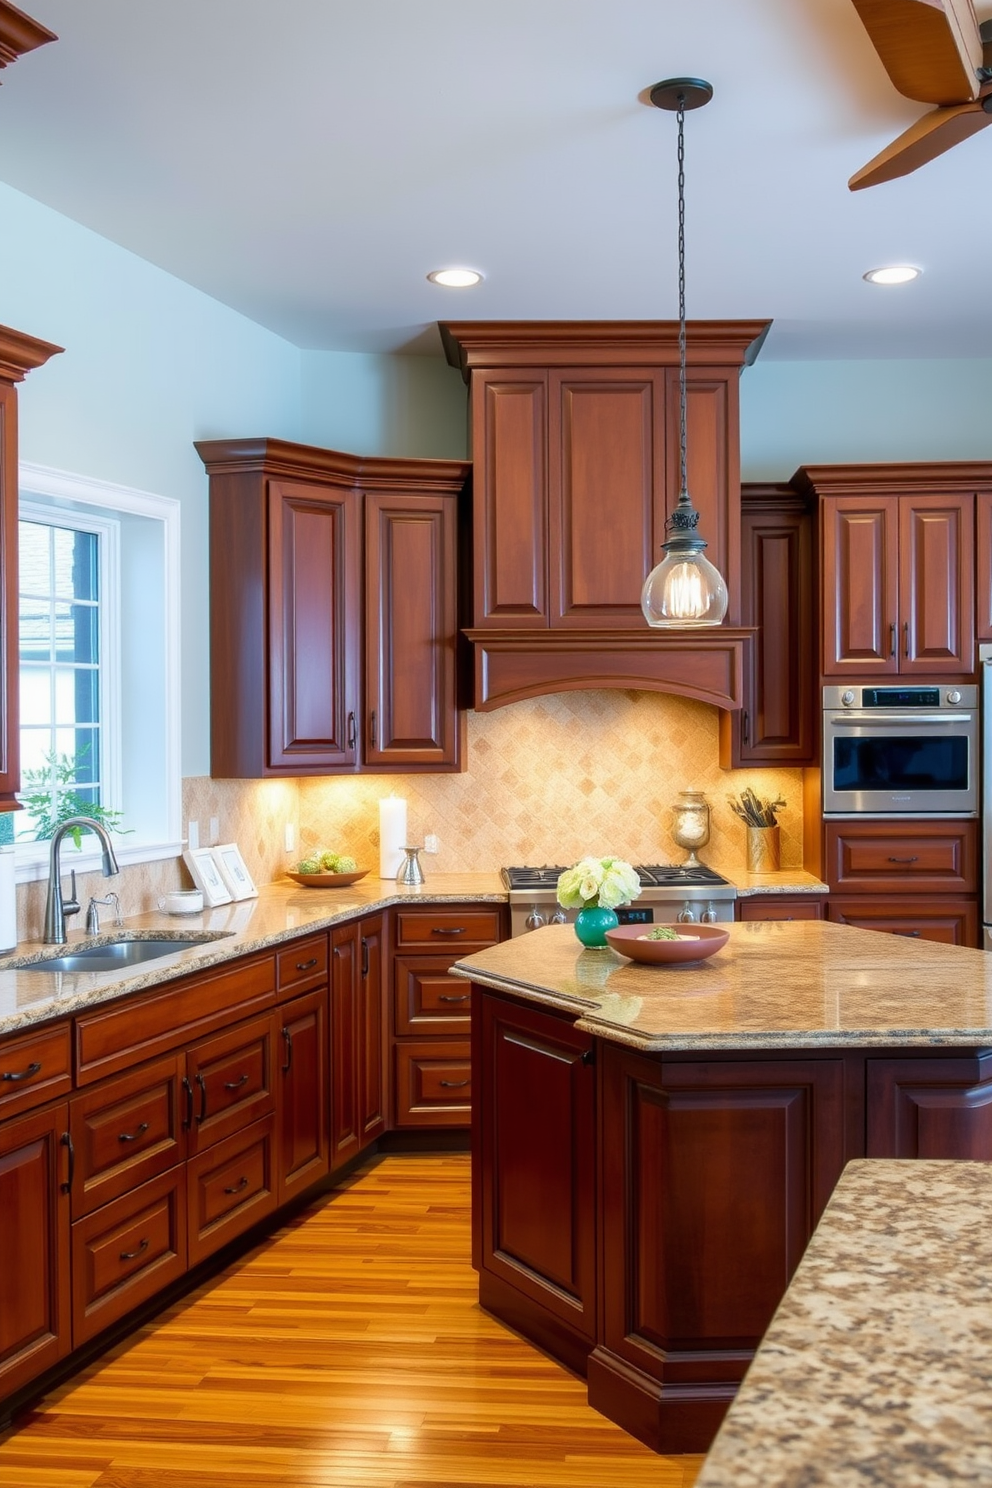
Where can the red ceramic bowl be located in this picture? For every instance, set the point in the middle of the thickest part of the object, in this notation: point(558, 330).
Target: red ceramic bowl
point(694, 943)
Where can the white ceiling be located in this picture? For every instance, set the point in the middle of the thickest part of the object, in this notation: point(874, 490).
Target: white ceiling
point(308, 161)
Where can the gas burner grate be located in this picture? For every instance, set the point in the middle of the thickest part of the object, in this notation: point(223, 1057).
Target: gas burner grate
point(531, 878)
point(656, 875)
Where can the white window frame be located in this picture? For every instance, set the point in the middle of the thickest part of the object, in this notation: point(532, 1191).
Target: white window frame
point(62, 486)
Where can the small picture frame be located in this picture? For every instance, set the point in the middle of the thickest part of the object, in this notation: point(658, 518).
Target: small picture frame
point(206, 874)
point(234, 871)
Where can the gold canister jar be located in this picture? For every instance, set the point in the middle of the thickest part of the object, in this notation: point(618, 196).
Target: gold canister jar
point(764, 849)
point(691, 824)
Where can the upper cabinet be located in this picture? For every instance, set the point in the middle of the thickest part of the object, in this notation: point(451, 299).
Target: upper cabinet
point(333, 611)
point(898, 570)
point(575, 444)
point(19, 354)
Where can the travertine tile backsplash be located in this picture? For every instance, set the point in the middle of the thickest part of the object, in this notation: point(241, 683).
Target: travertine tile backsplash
point(546, 781)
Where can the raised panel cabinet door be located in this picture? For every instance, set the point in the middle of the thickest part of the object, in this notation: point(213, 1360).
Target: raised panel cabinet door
point(314, 621)
point(776, 724)
point(951, 921)
point(932, 1108)
point(345, 1019)
point(902, 857)
point(510, 499)
point(233, 1080)
point(983, 551)
point(937, 585)
point(411, 631)
point(606, 504)
point(35, 1323)
point(714, 1176)
point(860, 546)
point(712, 467)
point(534, 1194)
point(371, 1032)
point(304, 1114)
point(126, 1130)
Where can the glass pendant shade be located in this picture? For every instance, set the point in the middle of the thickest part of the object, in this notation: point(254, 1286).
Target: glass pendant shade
point(684, 590)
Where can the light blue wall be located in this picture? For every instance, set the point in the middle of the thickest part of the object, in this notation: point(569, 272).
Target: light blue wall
point(149, 365)
point(811, 413)
point(385, 405)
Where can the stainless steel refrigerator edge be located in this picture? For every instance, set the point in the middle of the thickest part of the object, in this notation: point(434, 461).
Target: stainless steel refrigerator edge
point(985, 670)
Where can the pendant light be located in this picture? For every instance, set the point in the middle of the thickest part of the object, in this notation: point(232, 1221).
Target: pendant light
point(685, 589)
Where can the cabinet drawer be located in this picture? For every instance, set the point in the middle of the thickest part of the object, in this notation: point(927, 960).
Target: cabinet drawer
point(126, 1131)
point(233, 1080)
point(865, 857)
point(454, 927)
point(303, 965)
point(125, 1252)
point(138, 1028)
point(35, 1067)
point(230, 1187)
point(433, 1083)
point(426, 1000)
point(781, 907)
point(952, 921)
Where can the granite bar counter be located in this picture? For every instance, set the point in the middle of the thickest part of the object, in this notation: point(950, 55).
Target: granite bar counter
point(877, 1366)
point(654, 1146)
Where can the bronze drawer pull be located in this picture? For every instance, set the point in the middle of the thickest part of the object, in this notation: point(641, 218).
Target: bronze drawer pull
point(454, 1084)
point(446, 997)
point(236, 1084)
point(188, 1092)
point(352, 733)
point(203, 1098)
point(132, 1255)
point(237, 1187)
point(907, 932)
point(26, 1074)
point(306, 965)
point(892, 639)
point(454, 930)
point(133, 1136)
point(288, 1037)
point(66, 1140)
point(913, 859)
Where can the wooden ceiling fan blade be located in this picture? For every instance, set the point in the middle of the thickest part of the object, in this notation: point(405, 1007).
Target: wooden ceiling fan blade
point(929, 137)
point(931, 49)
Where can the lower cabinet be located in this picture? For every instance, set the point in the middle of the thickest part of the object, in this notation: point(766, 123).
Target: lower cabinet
point(304, 1126)
point(35, 1321)
point(780, 907)
point(925, 1107)
point(231, 1186)
point(357, 1039)
point(914, 878)
point(954, 921)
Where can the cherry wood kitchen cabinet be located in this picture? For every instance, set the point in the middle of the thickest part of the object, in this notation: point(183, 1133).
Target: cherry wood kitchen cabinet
point(534, 1175)
point(357, 1039)
point(304, 1129)
point(35, 1320)
point(913, 878)
point(333, 610)
point(780, 907)
point(983, 556)
point(575, 470)
point(930, 1108)
point(953, 921)
point(430, 1054)
point(19, 354)
point(898, 569)
point(777, 724)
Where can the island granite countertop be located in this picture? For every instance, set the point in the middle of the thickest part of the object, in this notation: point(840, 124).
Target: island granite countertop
point(876, 1366)
point(281, 912)
point(777, 984)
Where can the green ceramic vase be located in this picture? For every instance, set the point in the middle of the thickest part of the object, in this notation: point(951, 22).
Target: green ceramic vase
point(592, 924)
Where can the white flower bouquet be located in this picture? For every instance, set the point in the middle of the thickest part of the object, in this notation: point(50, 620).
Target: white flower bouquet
point(598, 883)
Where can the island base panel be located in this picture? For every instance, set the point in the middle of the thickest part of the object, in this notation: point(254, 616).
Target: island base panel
point(672, 1419)
point(536, 1324)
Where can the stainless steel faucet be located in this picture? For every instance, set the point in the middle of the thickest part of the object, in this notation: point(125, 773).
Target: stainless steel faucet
point(56, 907)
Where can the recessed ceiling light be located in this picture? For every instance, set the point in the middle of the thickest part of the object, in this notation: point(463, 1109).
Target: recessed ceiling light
point(455, 278)
point(893, 274)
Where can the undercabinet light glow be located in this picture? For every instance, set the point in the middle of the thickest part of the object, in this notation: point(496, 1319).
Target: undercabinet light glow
point(455, 278)
point(893, 274)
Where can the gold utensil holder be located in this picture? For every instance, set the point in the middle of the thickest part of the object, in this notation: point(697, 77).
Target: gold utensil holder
point(764, 850)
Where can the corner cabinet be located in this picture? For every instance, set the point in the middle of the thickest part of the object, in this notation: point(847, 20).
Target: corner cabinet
point(575, 443)
point(19, 354)
point(333, 611)
point(898, 577)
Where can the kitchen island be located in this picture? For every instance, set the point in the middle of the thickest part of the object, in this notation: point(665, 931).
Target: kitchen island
point(653, 1147)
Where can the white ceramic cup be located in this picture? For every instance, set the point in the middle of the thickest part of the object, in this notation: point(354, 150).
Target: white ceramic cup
point(182, 901)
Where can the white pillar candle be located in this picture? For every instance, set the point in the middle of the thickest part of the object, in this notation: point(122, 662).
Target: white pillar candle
point(392, 835)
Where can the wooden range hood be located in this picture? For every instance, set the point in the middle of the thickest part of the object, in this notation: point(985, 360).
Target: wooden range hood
point(575, 447)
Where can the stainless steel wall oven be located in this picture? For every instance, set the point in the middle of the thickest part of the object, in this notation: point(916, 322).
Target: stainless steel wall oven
point(901, 751)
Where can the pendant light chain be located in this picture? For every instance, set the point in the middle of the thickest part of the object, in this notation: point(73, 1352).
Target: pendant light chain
point(683, 467)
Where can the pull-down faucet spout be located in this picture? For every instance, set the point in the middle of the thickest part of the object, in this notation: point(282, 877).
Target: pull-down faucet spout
point(56, 907)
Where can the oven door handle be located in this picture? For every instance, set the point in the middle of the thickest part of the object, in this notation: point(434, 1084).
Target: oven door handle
point(899, 719)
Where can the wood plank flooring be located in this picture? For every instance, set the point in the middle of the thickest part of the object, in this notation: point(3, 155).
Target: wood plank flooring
point(346, 1352)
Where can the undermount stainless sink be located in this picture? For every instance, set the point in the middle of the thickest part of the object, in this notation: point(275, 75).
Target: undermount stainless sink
point(115, 955)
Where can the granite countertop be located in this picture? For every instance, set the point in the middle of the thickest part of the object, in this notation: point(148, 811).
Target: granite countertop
point(876, 1367)
point(281, 911)
point(777, 984)
point(783, 881)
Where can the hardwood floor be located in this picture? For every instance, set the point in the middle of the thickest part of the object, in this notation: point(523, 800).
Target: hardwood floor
point(346, 1352)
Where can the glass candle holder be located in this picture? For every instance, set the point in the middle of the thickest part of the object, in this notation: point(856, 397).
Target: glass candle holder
point(691, 824)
